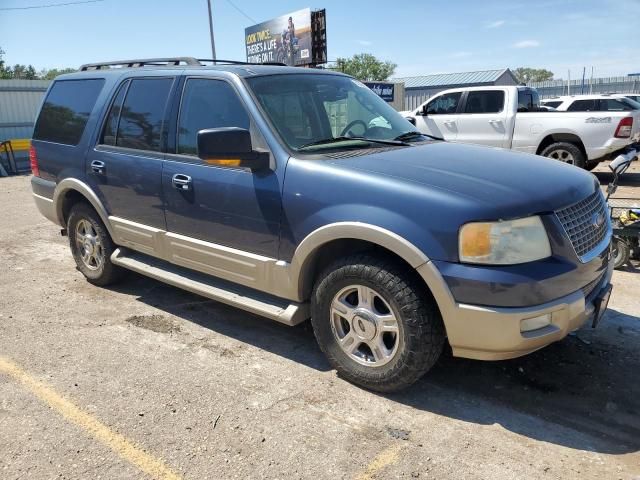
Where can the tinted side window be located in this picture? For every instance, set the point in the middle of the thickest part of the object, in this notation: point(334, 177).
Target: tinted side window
point(583, 106)
point(528, 100)
point(613, 105)
point(111, 125)
point(142, 113)
point(66, 110)
point(207, 104)
point(489, 101)
point(444, 104)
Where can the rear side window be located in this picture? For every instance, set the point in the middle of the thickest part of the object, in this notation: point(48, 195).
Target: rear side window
point(615, 105)
point(111, 125)
point(66, 110)
point(489, 101)
point(142, 113)
point(207, 104)
point(583, 106)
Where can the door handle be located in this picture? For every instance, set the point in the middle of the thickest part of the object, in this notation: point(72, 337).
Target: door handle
point(495, 122)
point(181, 181)
point(449, 122)
point(97, 167)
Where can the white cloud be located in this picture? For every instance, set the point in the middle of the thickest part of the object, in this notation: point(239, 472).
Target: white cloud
point(496, 24)
point(365, 43)
point(526, 44)
point(460, 54)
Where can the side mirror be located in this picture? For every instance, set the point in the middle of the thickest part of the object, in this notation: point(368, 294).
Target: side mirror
point(230, 147)
point(423, 111)
point(620, 164)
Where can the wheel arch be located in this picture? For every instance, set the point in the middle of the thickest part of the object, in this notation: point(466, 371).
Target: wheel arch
point(70, 191)
point(567, 137)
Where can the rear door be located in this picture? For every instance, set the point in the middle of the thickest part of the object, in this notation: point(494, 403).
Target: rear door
point(483, 120)
point(125, 167)
point(439, 116)
point(228, 218)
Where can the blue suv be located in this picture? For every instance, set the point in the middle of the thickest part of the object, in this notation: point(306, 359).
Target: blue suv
point(298, 193)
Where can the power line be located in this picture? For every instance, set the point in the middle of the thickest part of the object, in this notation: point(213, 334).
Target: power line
point(240, 10)
point(49, 5)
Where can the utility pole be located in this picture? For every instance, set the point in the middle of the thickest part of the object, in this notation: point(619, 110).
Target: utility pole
point(213, 43)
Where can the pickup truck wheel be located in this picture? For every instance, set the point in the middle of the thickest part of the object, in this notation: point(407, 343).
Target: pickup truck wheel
point(376, 323)
point(91, 246)
point(565, 152)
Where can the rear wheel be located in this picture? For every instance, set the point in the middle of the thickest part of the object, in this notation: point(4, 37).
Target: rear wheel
point(376, 323)
point(91, 246)
point(565, 152)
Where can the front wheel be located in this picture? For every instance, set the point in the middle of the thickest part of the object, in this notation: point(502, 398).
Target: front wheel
point(621, 252)
point(376, 323)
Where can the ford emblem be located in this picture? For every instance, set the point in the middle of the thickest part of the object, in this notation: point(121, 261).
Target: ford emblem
point(597, 219)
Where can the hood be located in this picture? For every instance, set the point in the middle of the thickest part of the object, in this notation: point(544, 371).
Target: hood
point(507, 183)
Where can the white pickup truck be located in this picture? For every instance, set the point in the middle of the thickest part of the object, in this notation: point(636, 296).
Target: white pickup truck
point(510, 117)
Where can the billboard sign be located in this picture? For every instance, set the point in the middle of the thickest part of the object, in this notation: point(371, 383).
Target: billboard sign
point(286, 39)
point(382, 89)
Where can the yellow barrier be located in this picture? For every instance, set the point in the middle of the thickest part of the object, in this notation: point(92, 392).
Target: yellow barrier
point(20, 144)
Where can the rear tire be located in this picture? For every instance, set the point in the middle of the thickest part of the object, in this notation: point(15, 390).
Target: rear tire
point(565, 152)
point(377, 324)
point(621, 252)
point(91, 246)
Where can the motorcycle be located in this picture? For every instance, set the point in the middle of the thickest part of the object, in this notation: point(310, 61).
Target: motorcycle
point(625, 215)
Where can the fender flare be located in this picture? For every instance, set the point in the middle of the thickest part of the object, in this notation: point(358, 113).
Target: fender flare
point(72, 184)
point(311, 244)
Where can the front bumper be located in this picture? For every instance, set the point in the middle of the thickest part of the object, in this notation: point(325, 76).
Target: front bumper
point(494, 333)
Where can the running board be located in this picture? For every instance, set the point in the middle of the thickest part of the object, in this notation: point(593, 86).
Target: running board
point(274, 308)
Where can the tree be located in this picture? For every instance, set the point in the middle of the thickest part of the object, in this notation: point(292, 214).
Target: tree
point(5, 72)
point(53, 73)
point(526, 75)
point(366, 67)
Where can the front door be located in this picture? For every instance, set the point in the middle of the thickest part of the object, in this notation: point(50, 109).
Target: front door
point(483, 120)
point(221, 219)
point(439, 116)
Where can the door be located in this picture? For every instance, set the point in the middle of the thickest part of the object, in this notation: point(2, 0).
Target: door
point(483, 120)
point(125, 168)
point(221, 219)
point(439, 116)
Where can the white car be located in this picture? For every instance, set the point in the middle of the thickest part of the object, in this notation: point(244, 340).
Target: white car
point(592, 103)
point(510, 117)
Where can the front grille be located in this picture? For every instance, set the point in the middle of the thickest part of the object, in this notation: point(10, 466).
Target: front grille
point(585, 222)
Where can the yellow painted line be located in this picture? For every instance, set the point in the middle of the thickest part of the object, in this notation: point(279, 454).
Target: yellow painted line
point(118, 443)
point(386, 457)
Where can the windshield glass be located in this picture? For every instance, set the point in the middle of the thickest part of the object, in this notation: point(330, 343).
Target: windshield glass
point(316, 112)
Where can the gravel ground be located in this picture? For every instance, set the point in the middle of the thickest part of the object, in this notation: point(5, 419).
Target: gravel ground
point(163, 377)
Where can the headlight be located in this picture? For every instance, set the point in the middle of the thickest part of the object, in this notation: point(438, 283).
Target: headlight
point(504, 243)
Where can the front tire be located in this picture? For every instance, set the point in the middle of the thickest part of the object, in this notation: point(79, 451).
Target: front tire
point(565, 152)
point(621, 252)
point(377, 324)
point(91, 246)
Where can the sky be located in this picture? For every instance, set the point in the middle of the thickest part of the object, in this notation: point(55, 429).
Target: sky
point(421, 37)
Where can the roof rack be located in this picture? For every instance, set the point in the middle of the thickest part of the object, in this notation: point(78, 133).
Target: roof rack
point(163, 62)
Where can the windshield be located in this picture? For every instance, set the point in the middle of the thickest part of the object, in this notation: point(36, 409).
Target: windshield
point(316, 112)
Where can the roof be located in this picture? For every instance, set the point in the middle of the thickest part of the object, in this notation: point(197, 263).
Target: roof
point(453, 79)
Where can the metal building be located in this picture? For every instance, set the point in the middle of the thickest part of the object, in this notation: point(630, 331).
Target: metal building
point(19, 103)
point(419, 89)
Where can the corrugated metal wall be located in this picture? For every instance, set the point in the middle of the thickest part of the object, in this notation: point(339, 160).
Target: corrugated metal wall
point(19, 103)
point(553, 88)
point(414, 97)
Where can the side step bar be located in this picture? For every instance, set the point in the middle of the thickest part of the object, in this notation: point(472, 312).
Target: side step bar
point(274, 308)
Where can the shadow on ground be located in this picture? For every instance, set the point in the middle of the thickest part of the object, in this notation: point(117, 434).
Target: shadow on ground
point(581, 392)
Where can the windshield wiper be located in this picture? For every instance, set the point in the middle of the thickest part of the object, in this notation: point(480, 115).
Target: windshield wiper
point(414, 133)
point(342, 138)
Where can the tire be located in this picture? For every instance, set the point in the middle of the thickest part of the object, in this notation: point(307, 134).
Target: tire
point(394, 291)
point(565, 152)
point(621, 252)
point(591, 165)
point(92, 256)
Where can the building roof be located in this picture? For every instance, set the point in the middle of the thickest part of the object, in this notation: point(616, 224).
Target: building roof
point(453, 79)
